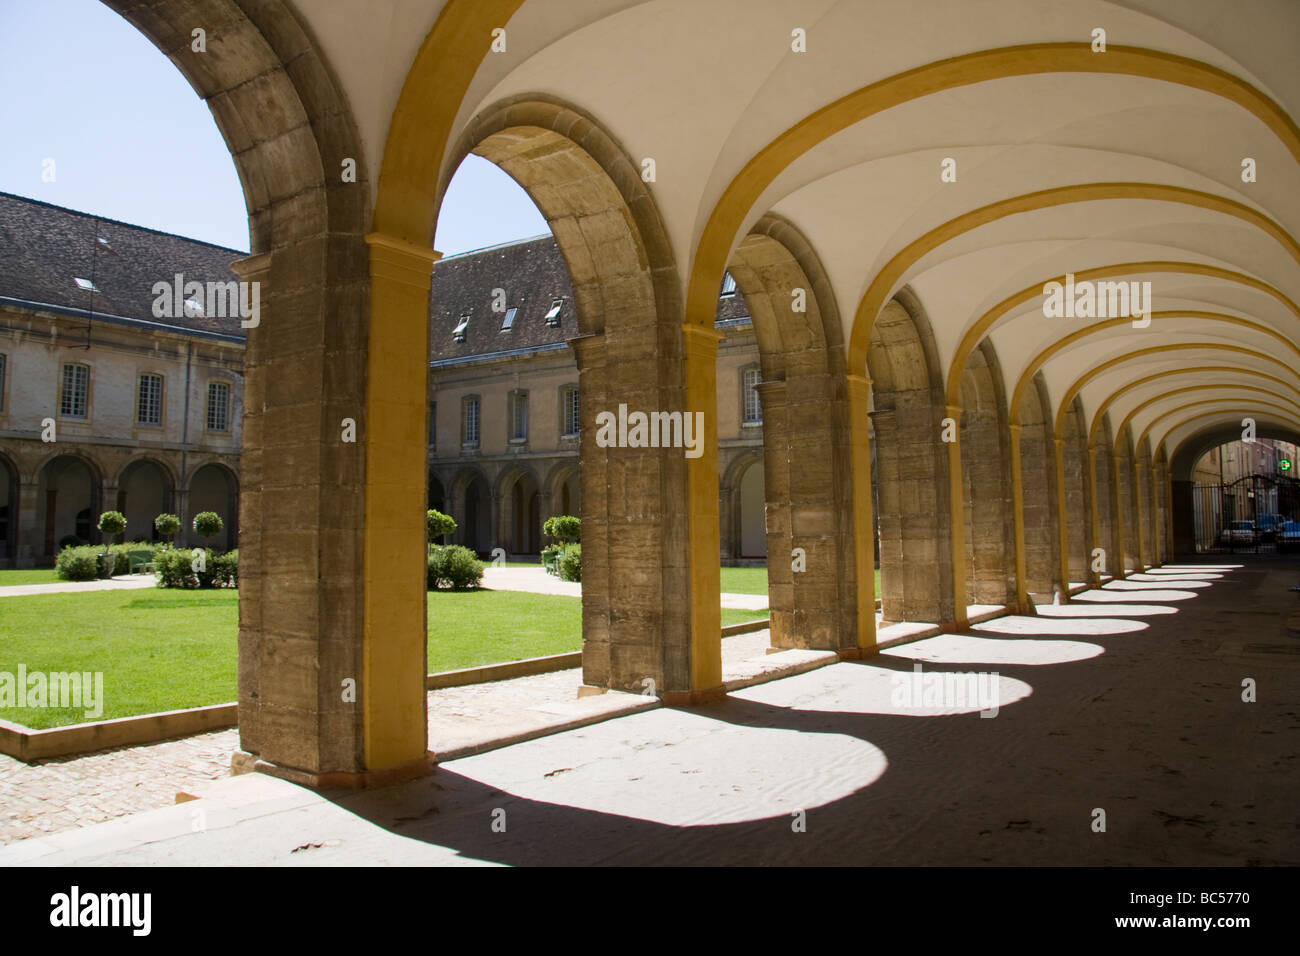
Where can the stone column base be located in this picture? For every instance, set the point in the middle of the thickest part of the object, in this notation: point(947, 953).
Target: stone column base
point(693, 698)
point(243, 762)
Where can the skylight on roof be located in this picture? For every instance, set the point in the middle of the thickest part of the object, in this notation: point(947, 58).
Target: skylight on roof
point(85, 284)
point(103, 242)
point(553, 316)
point(508, 322)
point(728, 284)
point(459, 332)
point(193, 307)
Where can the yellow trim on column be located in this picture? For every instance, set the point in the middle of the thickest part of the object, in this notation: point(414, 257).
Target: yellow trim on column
point(1136, 478)
point(864, 524)
point(394, 429)
point(747, 187)
point(700, 392)
point(1023, 604)
point(957, 520)
point(1062, 517)
point(1094, 515)
point(420, 129)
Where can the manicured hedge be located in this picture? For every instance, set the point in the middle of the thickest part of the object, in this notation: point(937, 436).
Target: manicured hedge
point(571, 563)
point(175, 569)
point(454, 567)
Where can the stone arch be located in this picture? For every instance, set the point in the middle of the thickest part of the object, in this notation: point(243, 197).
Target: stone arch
point(916, 578)
point(212, 486)
point(146, 488)
point(70, 489)
point(1038, 505)
point(807, 445)
point(289, 131)
point(472, 495)
point(1124, 500)
point(518, 494)
point(736, 522)
point(640, 506)
point(562, 489)
point(9, 510)
point(986, 480)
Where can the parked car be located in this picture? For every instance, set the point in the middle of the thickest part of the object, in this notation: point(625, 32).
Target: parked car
point(1268, 525)
point(1288, 537)
point(1239, 533)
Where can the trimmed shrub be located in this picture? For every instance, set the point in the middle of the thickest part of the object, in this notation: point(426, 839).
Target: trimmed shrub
point(174, 568)
point(455, 567)
point(571, 563)
point(167, 525)
point(112, 523)
point(208, 524)
point(439, 525)
point(80, 563)
point(564, 528)
point(226, 569)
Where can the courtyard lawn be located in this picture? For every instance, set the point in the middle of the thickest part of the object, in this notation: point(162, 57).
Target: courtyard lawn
point(12, 576)
point(165, 650)
point(754, 581)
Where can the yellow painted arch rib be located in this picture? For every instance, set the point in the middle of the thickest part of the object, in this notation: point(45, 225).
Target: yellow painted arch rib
point(1199, 389)
point(971, 339)
point(1044, 356)
point(1138, 383)
point(1039, 58)
point(1086, 377)
point(1210, 401)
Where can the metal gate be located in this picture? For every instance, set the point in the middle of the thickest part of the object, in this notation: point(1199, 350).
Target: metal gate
point(1244, 515)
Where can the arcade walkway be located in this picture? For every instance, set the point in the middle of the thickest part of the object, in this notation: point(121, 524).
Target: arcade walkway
point(1128, 700)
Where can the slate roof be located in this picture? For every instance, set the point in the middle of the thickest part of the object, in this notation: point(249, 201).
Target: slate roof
point(43, 248)
point(532, 274)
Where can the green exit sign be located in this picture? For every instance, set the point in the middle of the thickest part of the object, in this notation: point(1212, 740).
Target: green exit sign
point(1284, 464)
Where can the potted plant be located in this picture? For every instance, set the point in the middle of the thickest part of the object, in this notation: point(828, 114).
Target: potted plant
point(111, 523)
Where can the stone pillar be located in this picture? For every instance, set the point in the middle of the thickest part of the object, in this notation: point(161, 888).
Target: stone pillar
point(916, 549)
point(857, 452)
point(776, 484)
point(1182, 524)
point(31, 536)
point(700, 392)
point(1139, 512)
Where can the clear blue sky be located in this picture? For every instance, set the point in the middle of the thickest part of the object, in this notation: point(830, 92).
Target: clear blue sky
point(131, 140)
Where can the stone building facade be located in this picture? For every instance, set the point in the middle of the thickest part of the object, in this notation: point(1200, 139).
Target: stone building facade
point(503, 391)
point(103, 405)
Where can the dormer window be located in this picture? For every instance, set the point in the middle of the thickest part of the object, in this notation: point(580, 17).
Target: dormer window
point(459, 333)
point(728, 284)
point(553, 316)
point(85, 284)
point(508, 322)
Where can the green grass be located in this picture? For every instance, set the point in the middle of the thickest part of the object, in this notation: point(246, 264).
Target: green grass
point(28, 576)
point(754, 581)
point(165, 650)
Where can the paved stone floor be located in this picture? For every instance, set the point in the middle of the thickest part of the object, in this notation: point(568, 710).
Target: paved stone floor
point(55, 795)
point(1127, 701)
point(123, 582)
point(538, 581)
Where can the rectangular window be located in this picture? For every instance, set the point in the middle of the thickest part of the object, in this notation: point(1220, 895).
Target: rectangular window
point(728, 284)
point(753, 407)
point(2, 383)
point(553, 316)
point(508, 322)
point(433, 424)
point(519, 416)
point(459, 332)
point(569, 401)
point(149, 404)
point(218, 407)
point(469, 421)
point(76, 383)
